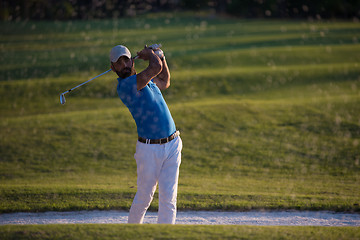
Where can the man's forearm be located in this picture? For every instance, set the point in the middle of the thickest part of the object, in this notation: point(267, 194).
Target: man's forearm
point(163, 79)
point(152, 71)
point(155, 64)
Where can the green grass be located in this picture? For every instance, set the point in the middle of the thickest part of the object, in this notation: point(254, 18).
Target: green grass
point(269, 160)
point(112, 231)
point(268, 113)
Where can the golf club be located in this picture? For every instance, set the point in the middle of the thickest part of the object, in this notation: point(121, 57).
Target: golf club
point(62, 95)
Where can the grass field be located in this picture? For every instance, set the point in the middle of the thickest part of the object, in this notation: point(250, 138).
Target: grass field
point(268, 111)
point(116, 231)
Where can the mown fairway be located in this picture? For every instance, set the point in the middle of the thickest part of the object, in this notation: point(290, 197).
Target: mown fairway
point(269, 113)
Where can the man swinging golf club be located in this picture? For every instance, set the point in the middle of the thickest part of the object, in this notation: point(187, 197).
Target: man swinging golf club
point(158, 149)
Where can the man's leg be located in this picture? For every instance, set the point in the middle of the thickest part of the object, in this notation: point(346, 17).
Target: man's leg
point(168, 182)
point(147, 177)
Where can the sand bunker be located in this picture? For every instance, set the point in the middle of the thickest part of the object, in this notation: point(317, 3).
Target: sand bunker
point(275, 218)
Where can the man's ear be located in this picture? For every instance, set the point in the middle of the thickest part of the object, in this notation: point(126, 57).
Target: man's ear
point(112, 67)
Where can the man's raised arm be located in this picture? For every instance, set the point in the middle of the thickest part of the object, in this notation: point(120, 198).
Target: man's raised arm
point(154, 69)
point(163, 79)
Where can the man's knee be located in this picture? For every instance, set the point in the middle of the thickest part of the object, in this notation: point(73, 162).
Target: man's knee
point(143, 199)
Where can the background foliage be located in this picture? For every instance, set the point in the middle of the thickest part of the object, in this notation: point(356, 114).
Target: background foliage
point(101, 9)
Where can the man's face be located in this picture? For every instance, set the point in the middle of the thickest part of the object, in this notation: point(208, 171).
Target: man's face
point(123, 67)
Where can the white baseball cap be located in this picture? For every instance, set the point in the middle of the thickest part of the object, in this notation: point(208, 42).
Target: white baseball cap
point(118, 51)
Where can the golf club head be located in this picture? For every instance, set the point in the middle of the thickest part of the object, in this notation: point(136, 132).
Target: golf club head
point(62, 98)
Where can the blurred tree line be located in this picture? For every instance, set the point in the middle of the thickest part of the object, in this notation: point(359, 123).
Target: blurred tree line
point(12, 10)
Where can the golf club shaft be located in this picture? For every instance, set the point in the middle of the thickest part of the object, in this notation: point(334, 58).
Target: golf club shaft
point(86, 81)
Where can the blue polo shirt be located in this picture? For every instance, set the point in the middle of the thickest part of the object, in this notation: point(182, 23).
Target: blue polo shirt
point(148, 108)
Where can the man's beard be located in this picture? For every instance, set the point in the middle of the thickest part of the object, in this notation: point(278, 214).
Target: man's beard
point(126, 72)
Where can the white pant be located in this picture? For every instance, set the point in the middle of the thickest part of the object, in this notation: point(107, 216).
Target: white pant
point(156, 163)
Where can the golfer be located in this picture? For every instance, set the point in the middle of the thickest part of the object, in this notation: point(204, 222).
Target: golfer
point(158, 149)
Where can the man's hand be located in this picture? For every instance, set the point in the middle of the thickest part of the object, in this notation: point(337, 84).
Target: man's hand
point(145, 54)
point(159, 53)
point(155, 46)
point(157, 50)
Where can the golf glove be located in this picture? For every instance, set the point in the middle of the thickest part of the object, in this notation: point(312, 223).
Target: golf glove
point(155, 46)
point(159, 53)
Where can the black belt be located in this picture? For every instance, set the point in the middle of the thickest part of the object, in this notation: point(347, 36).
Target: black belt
point(159, 141)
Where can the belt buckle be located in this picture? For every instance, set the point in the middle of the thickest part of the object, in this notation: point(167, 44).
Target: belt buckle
point(165, 140)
